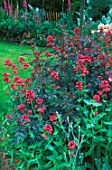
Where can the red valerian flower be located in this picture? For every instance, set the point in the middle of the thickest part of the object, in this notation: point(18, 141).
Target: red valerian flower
point(8, 62)
point(17, 161)
point(21, 107)
point(96, 98)
point(16, 78)
point(39, 101)
point(6, 79)
point(58, 87)
point(25, 118)
point(15, 71)
point(25, 64)
point(52, 118)
point(44, 136)
point(48, 54)
point(6, 75)
point(30, 94)
point(42, 109)
point(79, 85)
point(71, 145)
point(30, 112)
point(54, 74)
point(8, 116)
point(48, 128)
point(76, 30)
point(21, 59)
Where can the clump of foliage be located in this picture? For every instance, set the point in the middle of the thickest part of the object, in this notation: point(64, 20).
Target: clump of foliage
point(60, 117)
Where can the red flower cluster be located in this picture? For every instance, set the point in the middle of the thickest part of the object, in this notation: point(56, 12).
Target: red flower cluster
point(42, 109)
point(84, 59)
point(50, 40)
point(71, 145)
point(26, 119)
point(105, 86)
point(30, 95)
point(48, 54)
point(48, 128)
point(21, 107)
point(76, 30)
point(54, 74)
point(21, 59)
point(96, 98)
point(79, 85)
point(39, 101)
point(8, 116)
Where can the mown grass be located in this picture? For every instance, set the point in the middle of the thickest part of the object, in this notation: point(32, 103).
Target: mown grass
point(12, 52)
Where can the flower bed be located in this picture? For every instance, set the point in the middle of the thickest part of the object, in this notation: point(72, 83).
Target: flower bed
point(60, 117)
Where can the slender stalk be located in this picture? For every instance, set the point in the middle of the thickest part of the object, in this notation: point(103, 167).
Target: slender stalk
point(82, 16)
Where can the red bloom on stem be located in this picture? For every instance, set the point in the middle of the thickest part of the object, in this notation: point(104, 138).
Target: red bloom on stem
point(17, 161)
point(8, 62)
point(52, 118)
point(97, 98)
point(71, 145)
point(6, 79)
point(48, 128)
point(42, 109)
point(54, 74)
point(76, 30)
point(6, 75)
point(30, 112)
point(79, 85)
point(39, 101)
point(48, 54)
point(30, 94)
point(8, 116)
point(21, 59)
point(25, 118)
point(21, 107)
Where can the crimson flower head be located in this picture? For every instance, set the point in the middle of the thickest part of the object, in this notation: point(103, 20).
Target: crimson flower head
point(96, 98)
point(6, 74)
point(54, 74)
point(71, 145)
point(39, 101)
point(21, 58)
point(76, 30)
point(79, 85)
point(8, 116)
point(21, 107)
point(48, 128)
point(52, 118)
point(42, 109)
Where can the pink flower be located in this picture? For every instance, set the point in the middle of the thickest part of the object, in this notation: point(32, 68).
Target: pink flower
point(8, 116)
point(97, 98)
point(79, 85)
point(54, 74)
point(30, 112)
point(69, 5)
point(48, 128)
point(5, 5)
point(52, 118)
point(42, 109)
point(25, 5)
point(71, 145)
point(44, 136)
point(39, 101)
point(21, 107)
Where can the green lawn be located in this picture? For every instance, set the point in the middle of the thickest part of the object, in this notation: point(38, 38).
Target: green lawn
point(12, 52)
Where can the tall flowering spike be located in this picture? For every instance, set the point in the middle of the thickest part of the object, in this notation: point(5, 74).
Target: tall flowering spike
point(10, 9)
point(5, 5)
point(25, 5)
point(15, 15)
point(69, 5)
